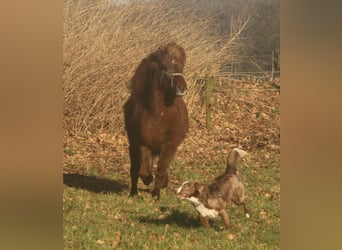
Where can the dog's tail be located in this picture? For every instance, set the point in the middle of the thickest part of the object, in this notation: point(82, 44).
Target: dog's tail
point(233, 160)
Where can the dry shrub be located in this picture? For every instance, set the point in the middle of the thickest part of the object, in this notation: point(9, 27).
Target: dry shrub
point(104, 42)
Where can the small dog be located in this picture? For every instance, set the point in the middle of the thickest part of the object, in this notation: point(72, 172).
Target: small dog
point(211, 200)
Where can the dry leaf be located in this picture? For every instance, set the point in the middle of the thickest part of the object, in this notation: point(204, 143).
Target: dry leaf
point(117, 239)
point(231, 236)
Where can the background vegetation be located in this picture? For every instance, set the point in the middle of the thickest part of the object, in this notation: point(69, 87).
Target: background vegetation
point(236, 44)
point(104, 42)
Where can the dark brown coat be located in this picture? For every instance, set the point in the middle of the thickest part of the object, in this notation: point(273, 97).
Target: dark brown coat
point(156, 118)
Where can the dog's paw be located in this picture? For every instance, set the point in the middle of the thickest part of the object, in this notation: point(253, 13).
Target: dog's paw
point(247, 215)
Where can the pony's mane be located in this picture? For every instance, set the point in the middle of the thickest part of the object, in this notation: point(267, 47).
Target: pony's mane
point(141, 75)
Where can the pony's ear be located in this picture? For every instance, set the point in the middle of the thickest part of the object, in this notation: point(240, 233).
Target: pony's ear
point(153, 64)
point(160, 51)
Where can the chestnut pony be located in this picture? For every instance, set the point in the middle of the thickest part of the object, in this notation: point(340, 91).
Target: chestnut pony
point(156, 118)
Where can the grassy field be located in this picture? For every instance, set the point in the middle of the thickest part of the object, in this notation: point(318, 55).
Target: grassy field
point(103, 44)
point(98, 214)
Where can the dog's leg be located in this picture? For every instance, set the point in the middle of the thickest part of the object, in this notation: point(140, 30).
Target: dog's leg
point(204, 221)
point(238, 202)
point(146, 165)
point(246, 209)
point(239, 198)
point(223, 214)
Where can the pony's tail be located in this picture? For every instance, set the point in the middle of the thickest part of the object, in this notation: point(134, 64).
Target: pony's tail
point(233, 160)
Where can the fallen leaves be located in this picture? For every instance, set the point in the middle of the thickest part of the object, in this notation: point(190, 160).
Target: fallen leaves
point(116, 240)
point(248, 119)
point(263, 215)
point(231, 236)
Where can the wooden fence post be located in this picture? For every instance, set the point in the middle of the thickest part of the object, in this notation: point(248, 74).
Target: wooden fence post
point(209, 87)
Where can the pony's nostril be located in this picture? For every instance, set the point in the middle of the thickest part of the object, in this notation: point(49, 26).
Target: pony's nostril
point(181, 89)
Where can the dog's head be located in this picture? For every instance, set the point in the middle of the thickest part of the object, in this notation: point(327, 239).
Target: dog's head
point(190, 189)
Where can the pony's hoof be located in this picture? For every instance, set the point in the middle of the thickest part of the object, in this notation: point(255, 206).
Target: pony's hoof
point(156, 194)
point(147, 180)
point(163, 181)
point(166, 183)
point(133, 193)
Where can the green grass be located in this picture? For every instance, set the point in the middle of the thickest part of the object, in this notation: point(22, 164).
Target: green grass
point(99, 215)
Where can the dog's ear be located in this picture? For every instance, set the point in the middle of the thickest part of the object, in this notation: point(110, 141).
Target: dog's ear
point(196, 193)
point(199, 187)
point(202, 189)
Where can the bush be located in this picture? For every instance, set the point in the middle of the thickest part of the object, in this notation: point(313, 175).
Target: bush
point(105, 41)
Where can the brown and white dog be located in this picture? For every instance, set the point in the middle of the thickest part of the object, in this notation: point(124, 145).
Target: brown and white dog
point(211, 200)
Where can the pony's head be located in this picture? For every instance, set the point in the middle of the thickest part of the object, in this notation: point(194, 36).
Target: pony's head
point(169, 61)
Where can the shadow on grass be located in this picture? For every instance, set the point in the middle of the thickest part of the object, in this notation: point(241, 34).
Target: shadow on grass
point(176, 218)
point(93, 183)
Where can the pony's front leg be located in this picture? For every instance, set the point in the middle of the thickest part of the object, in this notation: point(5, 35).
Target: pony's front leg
point(146, 162)
point(161, 180)
point(135, 166)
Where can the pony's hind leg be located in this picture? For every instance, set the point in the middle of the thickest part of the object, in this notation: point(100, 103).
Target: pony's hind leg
point(161, 181)
point(146, 162)
point(135, 165)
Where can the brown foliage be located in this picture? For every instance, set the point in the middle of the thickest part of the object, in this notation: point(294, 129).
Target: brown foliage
point(104, 43)
point(244, 115)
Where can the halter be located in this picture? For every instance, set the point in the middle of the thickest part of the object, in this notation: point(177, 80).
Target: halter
point(171, 75)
